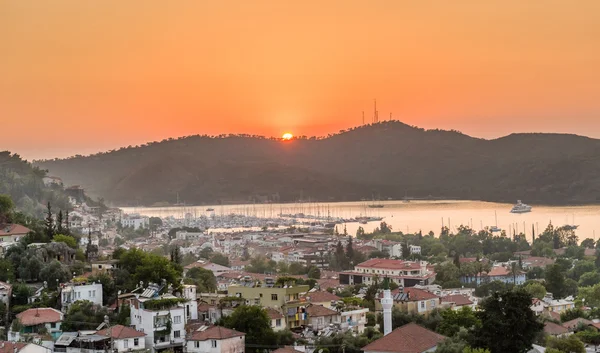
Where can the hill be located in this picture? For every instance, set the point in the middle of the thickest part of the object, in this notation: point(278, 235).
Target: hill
point(388, 159)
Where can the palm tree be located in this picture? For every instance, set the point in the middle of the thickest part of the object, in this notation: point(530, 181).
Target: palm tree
point(514, 270)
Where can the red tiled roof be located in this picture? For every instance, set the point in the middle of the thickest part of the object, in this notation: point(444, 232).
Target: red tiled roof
point(203, 307)
point(214, 333)
point(575, 322)
point(320, 297)
point(319, 310)
point(554, 329)
point(13, 229)
point(11, 347)
point(32, 317)
point(410, 338)
point(457, 299)
point(274, 314)
point(390, 264)
point(120, 332)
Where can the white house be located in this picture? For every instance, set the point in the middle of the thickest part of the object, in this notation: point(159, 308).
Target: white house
point(73, 291)
point(136, 221)
point(163, 318)
point(278, 321)
point(216, 339)
point(125, 339)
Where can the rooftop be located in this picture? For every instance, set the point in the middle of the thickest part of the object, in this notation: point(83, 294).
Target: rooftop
point(13, 229)
point(390, 264)
point(32, 317)
point(214, 333)
point(319, 310)
point(120, 332)
point(410, 338)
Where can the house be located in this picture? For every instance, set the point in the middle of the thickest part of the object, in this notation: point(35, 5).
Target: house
point(412, 301)
point(277, 319)
point(215, 339)
point(37, 321)
point(216, 269)
point(135, 221)
point(11, 234)
point(104, 266)
point(403, 273)
point(410, 338)
point(162, 317)
point(458, 301)
point(555, 330)
point(125, 339)
point(287, 349)
point(497, 273)
point(549, 306)
point(320, 317)
point(5, 293)
point(354, 319)
point(52, 180)
point(18, 347)
point(76, 291)
point(572, 325)
point(323, 298)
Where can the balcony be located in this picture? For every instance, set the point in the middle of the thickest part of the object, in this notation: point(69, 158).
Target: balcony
point(175, 342)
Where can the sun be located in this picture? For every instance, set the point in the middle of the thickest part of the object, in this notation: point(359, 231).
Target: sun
point(287, 136)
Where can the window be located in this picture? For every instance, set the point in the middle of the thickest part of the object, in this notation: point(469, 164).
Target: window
point(136, 342)
point(90, 293)
point(433, 303)
point(260, 295)
point(423, 305)
point(213, 343)
point(177, 319)
point(126, 343)
point(278, 323)
point(53, 325)
point(177, 334)
point(197, 344)
point(273, 296)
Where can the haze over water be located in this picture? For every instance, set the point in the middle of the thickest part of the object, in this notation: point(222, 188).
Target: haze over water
point(415, 215)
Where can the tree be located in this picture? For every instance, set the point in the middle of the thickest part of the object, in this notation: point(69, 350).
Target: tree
point(7, 271)
point(349, 248)
point(154, 223)
point(535, 289)
point(70, 241)
point(109, 289)
point(6, 208)
point(254, 321)
point(204, 279)
point(507, 323)
point(447, 274)
point(49, 222)
point(176, 255)
point(591, 295)
point(136, 265)
point(220, 259)
point(206, 253)
point(588, 243)
point(55, 271)
point(589, 279)
point(475, 350)
point(571, 314)
point(84, 314)
point(555, 281)
point(296, 268)
point(580, 268)
point(59, 222)
point(454, 320)
point(314, 272)
point(360, 232)
point(570, 344)
point(589, 337)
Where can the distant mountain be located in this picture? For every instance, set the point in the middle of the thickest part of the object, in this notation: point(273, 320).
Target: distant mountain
point(388, 159)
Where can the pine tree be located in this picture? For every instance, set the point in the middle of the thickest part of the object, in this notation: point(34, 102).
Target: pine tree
point(345, 231)
point(349, 249)
point(457, 259)
point(532, 234)
point(59, 223)
point(67, 224)
point(176, 255)
point(336, 232)
point(49, 222)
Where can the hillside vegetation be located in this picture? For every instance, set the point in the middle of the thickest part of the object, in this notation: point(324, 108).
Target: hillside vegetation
point(388, 159)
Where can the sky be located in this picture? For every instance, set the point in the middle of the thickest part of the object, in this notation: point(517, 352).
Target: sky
point(77, 77)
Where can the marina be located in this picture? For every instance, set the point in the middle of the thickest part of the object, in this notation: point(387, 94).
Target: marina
point(402, 216)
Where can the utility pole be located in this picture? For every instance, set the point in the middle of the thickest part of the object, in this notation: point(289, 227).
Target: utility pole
point(111, 348)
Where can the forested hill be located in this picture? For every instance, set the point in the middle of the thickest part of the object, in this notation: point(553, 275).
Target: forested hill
point(388, 159)
point(24, 184)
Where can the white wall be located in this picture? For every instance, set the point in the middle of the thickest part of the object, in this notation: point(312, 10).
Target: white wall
point(120, 344)
point(230, 345)
point(91, 292)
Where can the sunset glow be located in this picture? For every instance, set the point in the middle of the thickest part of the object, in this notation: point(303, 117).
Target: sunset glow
point(287, 136)
point(106, 74)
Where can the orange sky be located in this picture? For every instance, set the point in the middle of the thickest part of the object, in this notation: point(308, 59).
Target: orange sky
point(82, 76)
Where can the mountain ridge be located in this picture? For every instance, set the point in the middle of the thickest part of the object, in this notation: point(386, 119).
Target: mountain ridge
point(387, 159)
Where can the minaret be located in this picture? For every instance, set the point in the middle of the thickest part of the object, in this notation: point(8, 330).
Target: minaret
point(387, 303)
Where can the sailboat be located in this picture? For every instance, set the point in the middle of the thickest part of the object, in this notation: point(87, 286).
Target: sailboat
point(375, 205)
point(495, 228)
point(572, 226)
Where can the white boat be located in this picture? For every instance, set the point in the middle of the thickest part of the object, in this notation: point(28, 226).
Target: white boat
point(520, 208)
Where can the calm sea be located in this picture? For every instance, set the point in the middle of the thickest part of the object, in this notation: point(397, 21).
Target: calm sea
point(413, 216)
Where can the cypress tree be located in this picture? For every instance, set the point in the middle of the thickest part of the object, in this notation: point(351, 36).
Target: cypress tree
point(49, 222)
